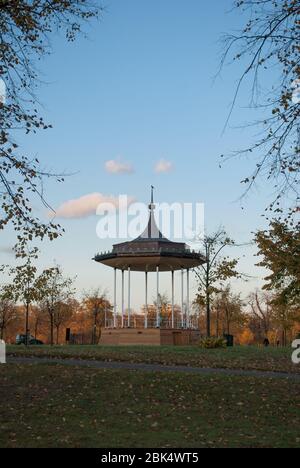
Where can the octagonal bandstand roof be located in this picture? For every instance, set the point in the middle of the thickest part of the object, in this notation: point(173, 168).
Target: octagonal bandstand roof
point(151, 250)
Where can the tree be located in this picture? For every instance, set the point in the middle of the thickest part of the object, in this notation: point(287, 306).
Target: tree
point(54, 289)
point(212, 275)
point(262, 312)
point(230, 307)
point(270, 40)
point(8, 311)
point(24, 286)
point(162, 303)
point(98, 308)
point(25, 27)
point(38, 318)
point(63, 312)
point(280, 251)
point(285, 316)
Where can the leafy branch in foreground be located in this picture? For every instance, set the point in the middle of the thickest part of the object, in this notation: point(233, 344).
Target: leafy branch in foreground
point(269, 44)
point(25, 27)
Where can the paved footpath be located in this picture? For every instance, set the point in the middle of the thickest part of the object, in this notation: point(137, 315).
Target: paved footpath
point(152, 367)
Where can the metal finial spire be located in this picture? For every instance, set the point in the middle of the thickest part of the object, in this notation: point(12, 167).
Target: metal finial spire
point(152, 194)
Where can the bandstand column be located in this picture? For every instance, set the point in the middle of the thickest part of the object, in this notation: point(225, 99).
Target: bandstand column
point(172, 298)
point(188, 298)
point(146, 299)
point(182, 298)
point(129, 296)
point(123, 299)
point(115, 297)
point(157, 298)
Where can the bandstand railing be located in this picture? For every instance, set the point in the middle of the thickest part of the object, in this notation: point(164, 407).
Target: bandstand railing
point(165, 323)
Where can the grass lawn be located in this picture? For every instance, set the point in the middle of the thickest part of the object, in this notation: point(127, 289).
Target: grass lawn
point(238, 357)
point(46, 405)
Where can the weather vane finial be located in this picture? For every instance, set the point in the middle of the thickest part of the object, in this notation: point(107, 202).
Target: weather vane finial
point(152, 194)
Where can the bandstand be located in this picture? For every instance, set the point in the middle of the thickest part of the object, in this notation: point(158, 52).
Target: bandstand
point(151, 252)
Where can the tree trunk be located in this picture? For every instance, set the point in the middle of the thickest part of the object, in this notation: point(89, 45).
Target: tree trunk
point(208, 314)
point(94, 337)
point(266, 327)
point(57, 334)
point(217, 322)
point(27, 324)
point(51, 329)
point(284, 337)
point(36, 329)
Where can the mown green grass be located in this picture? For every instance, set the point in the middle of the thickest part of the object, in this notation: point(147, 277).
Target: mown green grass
point(238, 357)
point(46, 405)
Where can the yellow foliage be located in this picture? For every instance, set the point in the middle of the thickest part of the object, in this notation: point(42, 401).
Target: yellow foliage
point(246, 337)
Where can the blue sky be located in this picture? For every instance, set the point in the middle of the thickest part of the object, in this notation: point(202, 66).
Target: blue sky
point(141, 89)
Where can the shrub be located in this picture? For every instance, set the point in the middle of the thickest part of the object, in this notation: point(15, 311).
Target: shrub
point(212, 343)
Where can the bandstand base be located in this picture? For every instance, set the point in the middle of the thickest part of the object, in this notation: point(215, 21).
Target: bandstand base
point(149, 336)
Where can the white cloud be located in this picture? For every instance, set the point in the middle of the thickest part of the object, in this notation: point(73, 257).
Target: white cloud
point(163, 166)
point(116, 166)
point(7, 250)
point(87, 205)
